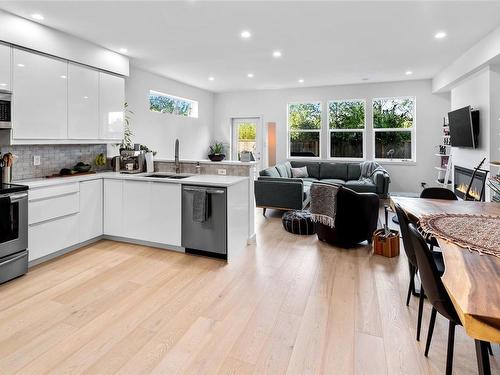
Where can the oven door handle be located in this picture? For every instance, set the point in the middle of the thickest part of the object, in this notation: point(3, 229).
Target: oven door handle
point(13, 259)
point(15, 197)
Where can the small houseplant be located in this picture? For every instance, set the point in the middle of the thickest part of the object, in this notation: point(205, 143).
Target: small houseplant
point(217, 151)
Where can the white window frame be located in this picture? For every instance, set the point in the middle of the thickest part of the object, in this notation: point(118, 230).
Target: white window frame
point(412, 130)
point(329, 140)
point(194, 104)
point(319, 131)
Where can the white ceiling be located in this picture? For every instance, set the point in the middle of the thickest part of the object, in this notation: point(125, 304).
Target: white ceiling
point(325, 43)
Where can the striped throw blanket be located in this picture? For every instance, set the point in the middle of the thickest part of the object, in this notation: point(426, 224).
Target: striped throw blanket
point(323, 203)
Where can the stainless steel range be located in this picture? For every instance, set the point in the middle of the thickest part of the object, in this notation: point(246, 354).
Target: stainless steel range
point(13, 231)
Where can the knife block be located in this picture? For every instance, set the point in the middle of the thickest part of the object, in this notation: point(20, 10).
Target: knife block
point(387, 246)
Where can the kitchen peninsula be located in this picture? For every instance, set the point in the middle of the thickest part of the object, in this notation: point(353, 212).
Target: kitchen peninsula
point(70, 212)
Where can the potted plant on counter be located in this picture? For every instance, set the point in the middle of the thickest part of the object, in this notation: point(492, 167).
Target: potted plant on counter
point(217, 151)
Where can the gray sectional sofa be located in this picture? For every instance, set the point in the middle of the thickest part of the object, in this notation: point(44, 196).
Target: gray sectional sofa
point(276, 188)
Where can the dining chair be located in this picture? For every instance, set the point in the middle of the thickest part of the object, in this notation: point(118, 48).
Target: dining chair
point(404, 221)
point(435, 292)
point(437, 193)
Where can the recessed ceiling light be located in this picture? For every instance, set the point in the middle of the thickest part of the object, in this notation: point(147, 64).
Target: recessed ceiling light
point(20, 65)
point(250, 75)
point(277, 54)
point(3, 84)
point(63, 76)
point(123, 50)
point(211, 78)
point(301, 80)
point(245, 34)
point(37, 17)
point(440, 35)
point(85, 97)
point(408, 72)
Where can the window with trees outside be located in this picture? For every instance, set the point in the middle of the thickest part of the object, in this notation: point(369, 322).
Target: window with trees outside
point(304, 129)
point(394, 127)
point(165, 103)
point(346, 125)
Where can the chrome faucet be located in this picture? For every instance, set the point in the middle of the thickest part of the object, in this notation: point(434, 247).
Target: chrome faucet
point(177, 164)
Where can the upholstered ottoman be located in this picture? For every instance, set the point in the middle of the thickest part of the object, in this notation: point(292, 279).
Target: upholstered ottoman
point(298, 222)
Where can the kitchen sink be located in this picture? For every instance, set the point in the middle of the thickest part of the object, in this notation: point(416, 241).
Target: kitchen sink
point(172, 176)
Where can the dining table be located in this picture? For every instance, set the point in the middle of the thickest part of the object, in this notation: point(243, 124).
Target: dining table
point(471, 279)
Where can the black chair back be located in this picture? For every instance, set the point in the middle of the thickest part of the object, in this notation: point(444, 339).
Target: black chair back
point(429, 276)
point(438, 193)
point(404, 221)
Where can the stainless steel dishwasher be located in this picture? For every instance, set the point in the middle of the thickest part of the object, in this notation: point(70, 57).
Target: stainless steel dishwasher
point(208, 237)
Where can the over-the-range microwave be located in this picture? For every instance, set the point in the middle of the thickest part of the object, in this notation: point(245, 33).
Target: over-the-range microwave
point(5, 110)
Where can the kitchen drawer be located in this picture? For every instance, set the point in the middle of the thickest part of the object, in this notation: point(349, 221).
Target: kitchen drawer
point(51, 236)
point(53, 207)
point(53, 191)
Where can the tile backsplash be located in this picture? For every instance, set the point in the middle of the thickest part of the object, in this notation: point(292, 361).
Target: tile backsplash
point(52, 158)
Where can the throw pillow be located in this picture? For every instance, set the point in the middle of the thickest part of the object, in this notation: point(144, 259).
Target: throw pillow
point(299, 172)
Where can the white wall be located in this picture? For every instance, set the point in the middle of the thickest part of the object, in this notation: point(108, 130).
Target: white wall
point(159, 130)
point(271, 105)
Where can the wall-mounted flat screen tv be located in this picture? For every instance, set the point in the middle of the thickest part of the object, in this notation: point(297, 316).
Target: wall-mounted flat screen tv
point(464, 127)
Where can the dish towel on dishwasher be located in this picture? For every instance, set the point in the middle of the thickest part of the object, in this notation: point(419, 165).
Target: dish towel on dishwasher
point(200, 206)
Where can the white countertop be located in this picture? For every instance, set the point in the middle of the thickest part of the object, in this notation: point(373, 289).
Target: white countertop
point(201, 179)
point(207, 161)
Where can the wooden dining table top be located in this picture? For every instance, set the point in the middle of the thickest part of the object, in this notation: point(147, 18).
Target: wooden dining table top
point(471, 279)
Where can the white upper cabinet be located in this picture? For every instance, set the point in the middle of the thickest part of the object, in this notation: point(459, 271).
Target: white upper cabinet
point(83, 102)
point(40, 97)
point(111, 100)
point(5, 67)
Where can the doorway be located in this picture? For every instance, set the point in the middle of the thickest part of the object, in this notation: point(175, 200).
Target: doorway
point(246, 138)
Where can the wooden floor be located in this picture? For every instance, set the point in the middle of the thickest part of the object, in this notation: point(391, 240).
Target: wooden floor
point(288, 304)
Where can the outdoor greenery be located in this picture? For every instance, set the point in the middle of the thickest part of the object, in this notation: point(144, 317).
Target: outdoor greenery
point(393, 113)
point(246, 131)
point(304, 116)
point(346, 144)
point(169, 104)
point(349, 114)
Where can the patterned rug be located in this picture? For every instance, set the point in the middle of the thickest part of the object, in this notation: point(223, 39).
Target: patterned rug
point(479, 233)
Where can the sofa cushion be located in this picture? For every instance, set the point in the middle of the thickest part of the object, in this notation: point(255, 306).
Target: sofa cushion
point(312, 167)
point(282, 170)
point(270, 172)
point(335, 181)
point(361, 186)
point(333, 170)
point(309, 180)
point(299, 172)
point(353, 171)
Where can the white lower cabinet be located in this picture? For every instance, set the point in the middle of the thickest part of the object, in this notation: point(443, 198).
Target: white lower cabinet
point(113, 207)
point(51, 236)
point(90, 210)
point(65, 215)
point(165, 213)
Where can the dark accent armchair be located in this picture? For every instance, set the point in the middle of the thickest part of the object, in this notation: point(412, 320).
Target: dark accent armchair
point(356, 219)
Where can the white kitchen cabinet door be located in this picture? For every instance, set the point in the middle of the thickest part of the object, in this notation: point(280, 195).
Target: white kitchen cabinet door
point(91, 209)
point(111, 101)
point(5, 67)
point(40, 99)
point(51, 236)
point(113, 207)
point(165, 214)
point(83, 102)
point(136, 218)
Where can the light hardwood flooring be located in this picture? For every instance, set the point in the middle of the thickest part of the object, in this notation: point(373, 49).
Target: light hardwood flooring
point(288, 304)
